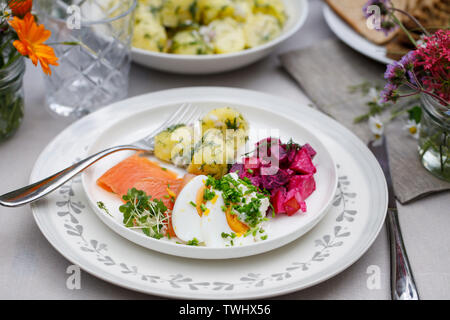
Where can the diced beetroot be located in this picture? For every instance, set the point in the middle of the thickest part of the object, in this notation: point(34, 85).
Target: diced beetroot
point(263, 147)
point(271, 182)
point(312, 153)
point(269, 170)
point(278, 200)
point(256, 181)
point(303, 206)
point(293, 202)
point(278, 152)
point(303, 163)
point(291, 155)
point(304, 184)
point(252, 163)
point(237, 167)
point(290, 172)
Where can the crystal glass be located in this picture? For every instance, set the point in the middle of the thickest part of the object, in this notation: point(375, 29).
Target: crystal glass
point(434, 138)
point(11, 98)
point(92, 39)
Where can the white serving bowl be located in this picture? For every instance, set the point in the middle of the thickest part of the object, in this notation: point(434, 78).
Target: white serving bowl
point(208, 64)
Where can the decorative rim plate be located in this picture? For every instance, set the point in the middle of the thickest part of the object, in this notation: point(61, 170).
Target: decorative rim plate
point(280, 230)
point(355, 218)
point(352, 38)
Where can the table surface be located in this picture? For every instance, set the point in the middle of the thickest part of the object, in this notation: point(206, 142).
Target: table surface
point(30, 268)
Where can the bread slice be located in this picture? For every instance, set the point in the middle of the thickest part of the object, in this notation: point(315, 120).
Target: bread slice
point(351, 12)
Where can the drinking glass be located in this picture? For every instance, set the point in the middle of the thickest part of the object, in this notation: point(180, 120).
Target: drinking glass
point(92, 39)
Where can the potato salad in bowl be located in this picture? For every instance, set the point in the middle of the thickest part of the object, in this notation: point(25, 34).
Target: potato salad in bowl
point(201, 27)
point(211, 36)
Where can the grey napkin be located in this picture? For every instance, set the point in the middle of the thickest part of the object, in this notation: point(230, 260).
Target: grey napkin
point(326, 72)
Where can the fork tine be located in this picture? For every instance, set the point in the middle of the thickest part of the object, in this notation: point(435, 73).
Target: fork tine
point(194, 116)
point(173, 119)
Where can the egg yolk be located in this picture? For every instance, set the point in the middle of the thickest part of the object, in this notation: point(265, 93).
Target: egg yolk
point(199, 200)
point(237, 226)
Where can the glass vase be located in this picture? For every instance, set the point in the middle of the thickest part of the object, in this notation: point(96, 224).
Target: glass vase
point(434, 139)
point(11, 98)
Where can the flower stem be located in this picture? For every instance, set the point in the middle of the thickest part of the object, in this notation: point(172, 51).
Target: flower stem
point(400, 24)
point(413, 19)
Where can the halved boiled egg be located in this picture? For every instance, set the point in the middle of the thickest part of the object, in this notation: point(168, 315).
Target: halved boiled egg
point(186, 219)
point(210, 221)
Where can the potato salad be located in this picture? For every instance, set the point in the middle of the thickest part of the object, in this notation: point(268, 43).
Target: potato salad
point(199, 27)
point(209, 148)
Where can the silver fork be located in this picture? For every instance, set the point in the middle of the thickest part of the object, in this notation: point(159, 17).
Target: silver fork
point(185, 114)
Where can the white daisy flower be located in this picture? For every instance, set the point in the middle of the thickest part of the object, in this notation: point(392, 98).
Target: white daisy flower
point(413, 128)
point(377, 128)
point(376, 125)
point(373, 94)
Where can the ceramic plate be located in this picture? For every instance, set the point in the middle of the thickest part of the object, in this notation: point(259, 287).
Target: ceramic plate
point(207, 64)
point(349, 228)
point(352, 38)
point(280, 230)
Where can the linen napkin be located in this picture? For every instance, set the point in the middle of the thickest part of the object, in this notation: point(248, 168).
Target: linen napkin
point(326, 72)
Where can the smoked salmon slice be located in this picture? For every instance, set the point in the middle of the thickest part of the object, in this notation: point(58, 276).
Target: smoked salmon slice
point(160, 188)
point(124, 176)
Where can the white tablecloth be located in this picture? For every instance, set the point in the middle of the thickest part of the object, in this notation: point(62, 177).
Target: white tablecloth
point(31, 269)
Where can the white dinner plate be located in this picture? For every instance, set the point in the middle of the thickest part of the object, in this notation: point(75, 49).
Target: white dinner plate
point(280, 229)
point(349, 228)
point(352, 38)
point(207, 64)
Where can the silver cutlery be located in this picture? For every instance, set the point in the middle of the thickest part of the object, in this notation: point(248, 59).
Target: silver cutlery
point(403, 286)
point(185, 114)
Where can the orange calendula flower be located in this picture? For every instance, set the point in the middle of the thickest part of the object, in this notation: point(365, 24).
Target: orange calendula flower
point(31, 42)
point(20, 8)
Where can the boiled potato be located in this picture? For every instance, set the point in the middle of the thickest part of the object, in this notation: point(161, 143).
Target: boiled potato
point(260, 29)
point(190, 42)
point(228, 36)
point(272, 7)
point(175, 13)
point(223, 119)
point(243, 9)
point(213, 155)
point(232, 124)
point(215, 9)
point(175, 145)
point(149, 34)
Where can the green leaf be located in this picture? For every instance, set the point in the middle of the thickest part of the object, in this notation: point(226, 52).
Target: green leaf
point(415, 113)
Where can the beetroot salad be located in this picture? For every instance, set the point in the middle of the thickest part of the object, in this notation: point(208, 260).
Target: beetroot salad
point(285, 170)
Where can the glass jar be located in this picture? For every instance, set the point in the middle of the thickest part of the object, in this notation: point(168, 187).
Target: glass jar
point(11, 98)
point(434, 139)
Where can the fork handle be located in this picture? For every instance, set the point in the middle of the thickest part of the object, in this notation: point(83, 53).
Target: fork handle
point(41, 188)
point(403, 286)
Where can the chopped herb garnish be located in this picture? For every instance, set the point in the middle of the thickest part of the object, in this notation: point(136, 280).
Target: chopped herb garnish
point(193, 242)
point(102, 206)
point(208, 195)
